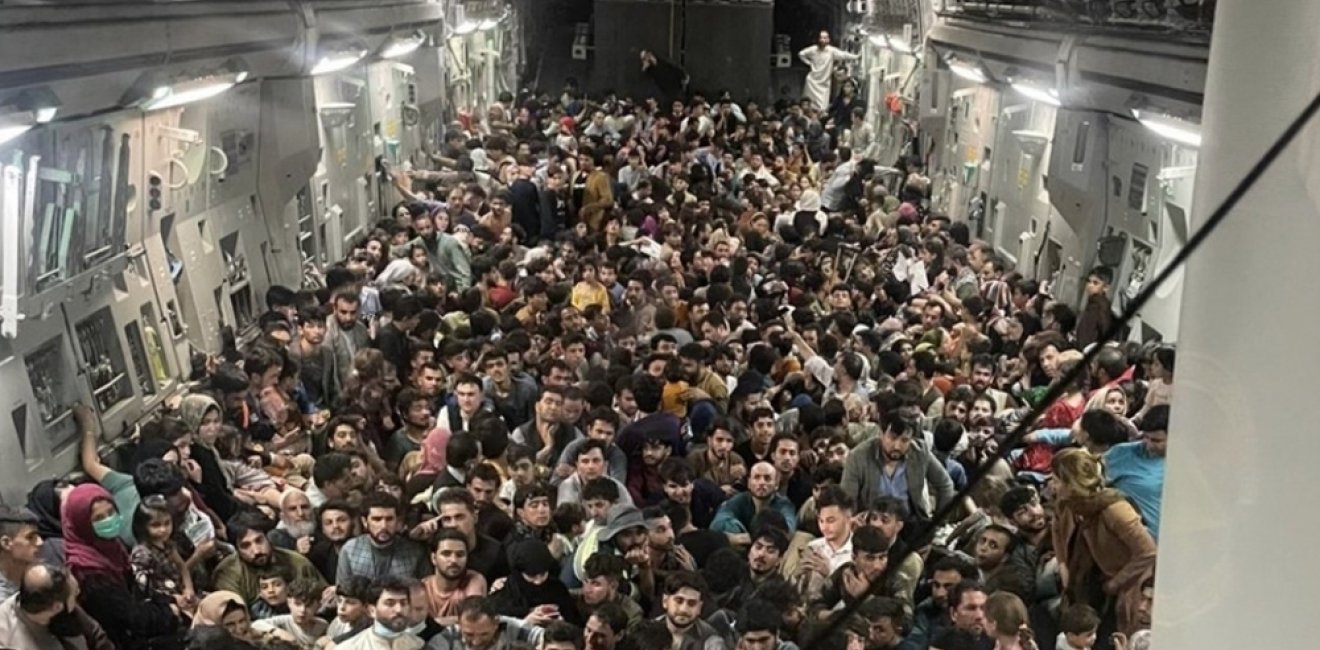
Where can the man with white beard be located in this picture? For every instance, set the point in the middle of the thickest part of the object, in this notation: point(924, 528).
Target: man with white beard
point(297, 522)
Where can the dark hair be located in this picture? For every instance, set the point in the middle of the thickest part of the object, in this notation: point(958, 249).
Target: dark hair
point(453, 495)
point(676, 470)
point(679, 580)
point(534, 490)
point(1078, 619)
point(1007, 532)
point(758, 616)
point(383, 583)
point(870, 539)
point(603, 564)
point(833, 495)
point(478, 607)
point(377, 499)
point(156, 476)
point(954, 563)
point(956, 594)
point(35, 600)
point(142, 517)
point(612, 615)
point(1017, 498)
point(1104, 428)
point(601, 487)
point(647, 391)
point(246, 522)
point(1103, 273)
point(306, 590)
point(1156, 419)
point(461, 449)
point(562, 632)
point(647, 635)
point(331, 467)
point(591, 444)
point(355, 587)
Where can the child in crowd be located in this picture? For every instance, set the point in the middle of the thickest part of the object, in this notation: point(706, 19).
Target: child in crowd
point(1079, 624)
point(274, 595)
point(352, 616)
point(301, 625)
point(157, 565)
point(522, 471)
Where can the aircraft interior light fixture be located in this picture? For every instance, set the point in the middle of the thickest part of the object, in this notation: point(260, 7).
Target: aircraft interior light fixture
point(156, 91)
point(1038, 92)
point(336, 60)
point(16, 123)
point(969, 71)
point(488, 24)
point(40, 100)
point(399, 46)
point(1169, 127)
point(466, 27)
point(879, 40)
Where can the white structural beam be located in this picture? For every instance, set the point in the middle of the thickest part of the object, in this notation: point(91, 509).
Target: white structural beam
point(1237, 562)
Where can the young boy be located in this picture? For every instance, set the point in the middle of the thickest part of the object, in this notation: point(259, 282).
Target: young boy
point(1098, 314)
point(1079, 624)
point(273, 595)
point(522, 472)
point(300, 625)
point(352, 616)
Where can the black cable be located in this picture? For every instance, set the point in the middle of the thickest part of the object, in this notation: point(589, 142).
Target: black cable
point(1057, 389)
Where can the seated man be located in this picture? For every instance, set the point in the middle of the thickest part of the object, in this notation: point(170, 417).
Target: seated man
point(735, 516)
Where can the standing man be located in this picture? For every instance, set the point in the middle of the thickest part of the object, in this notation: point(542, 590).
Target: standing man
point(821, 60)
point(20, 548)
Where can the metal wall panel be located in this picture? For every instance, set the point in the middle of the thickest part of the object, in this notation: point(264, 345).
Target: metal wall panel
point(727, 47)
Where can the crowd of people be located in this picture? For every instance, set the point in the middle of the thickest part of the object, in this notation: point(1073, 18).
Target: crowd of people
point(680, 374)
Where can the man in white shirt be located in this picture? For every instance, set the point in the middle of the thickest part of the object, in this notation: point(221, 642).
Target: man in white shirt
point(833, 549)
point(821, 60)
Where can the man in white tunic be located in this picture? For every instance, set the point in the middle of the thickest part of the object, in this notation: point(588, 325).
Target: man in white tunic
point(821, 60)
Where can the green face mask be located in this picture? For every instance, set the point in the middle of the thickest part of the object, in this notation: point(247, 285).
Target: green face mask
point(109, 527)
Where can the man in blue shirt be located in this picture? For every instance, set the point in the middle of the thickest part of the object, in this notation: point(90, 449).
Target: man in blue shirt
point(1137, 468)
point(735, 516)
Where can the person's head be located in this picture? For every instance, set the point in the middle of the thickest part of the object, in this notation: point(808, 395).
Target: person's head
point(762, 481)
point(1005, 614)
point(785, 452)
point(1146, 603)
point(534, 504)
point(823, 39)
point(885, 622)
point(947, 573)
point(683, 594)
point(335, 519)
point(273, 585)
point(390, 600)
point(248, 531)
point(870, 551)
point(152, 522)
point(1022, 506)
point(458, 511)
point(605, 626)
point(46, 591)
point(602, 425)
point(159, 476)
point(757, 626)
point(602, 575)
point(483, 482)
point(304, 599)
point(1155, 430)
point(767, 551)
point(720, 439)
point(351, 596)
point(993, 546)
point(590, 459)
point(381, 518)
point(1098, 280)
point(296, 514)
point(449, 554)
point(550, 406)
point(19, 540)
point(1079, 623)
point(478, 623)
point(677, 476)
point(333, 474)
point(560, 635)
point(467, 390)
point(346, 305)
point(659, 528)
point(598, 496)
point(763, 424)
point(967, 607)
point(834, 511)
point(897, 438)
point(1075, 472)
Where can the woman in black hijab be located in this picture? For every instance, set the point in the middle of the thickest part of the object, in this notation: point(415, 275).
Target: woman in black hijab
point(534, 583)
point(44, 502)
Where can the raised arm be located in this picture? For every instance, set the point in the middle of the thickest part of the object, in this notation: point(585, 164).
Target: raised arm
point(87, 428)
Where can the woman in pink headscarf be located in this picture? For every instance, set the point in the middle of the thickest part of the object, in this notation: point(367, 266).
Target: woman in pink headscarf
point(433, 462)
point(96, 557)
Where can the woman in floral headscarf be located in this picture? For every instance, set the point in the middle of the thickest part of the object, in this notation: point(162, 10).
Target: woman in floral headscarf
point(97, 559)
